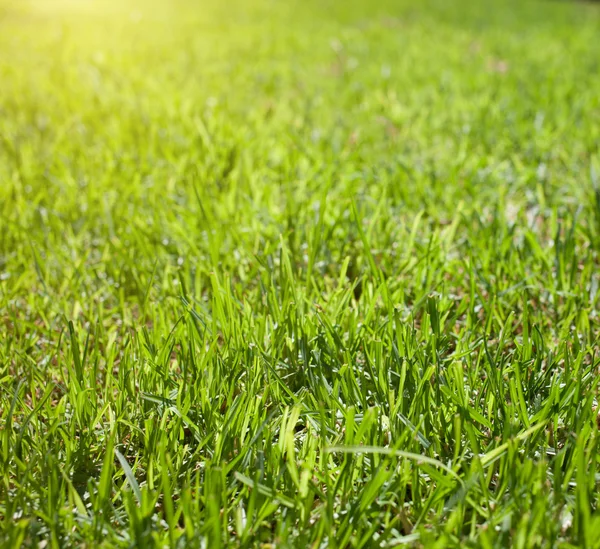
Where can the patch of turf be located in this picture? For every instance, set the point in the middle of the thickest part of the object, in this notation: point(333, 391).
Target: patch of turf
point(313, 273)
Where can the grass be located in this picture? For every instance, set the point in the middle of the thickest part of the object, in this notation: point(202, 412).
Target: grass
point(299, 274)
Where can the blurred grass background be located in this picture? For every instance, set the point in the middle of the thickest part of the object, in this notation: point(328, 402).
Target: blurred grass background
point(116, 115)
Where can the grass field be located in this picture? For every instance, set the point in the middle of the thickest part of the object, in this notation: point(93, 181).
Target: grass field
point(313, 273)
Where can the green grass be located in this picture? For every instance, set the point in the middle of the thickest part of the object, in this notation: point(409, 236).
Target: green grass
point(299, 274)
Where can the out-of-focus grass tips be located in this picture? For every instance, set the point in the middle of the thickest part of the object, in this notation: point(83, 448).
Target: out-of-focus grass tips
point(287, 274)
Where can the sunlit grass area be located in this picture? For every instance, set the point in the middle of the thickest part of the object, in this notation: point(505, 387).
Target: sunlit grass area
point(299, 274)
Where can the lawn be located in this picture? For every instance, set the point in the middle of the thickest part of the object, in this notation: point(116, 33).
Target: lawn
point(303, 273)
